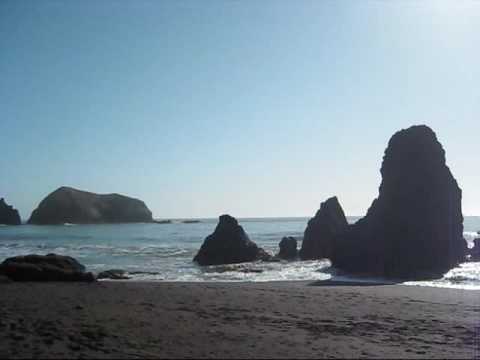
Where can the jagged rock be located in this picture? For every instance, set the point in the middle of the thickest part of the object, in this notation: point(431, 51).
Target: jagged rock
point(113, 274)
point(318, 240)
point(8, 215)
point(50, 267)
point(288, 248)
point(414, 229)
point(229, 244)
point(68, 205)
point(475, 251)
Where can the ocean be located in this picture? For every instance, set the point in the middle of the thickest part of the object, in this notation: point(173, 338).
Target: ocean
point(151, 252)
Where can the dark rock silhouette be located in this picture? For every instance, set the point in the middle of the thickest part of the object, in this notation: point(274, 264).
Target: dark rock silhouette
point(288, 248)
point(319, 236)
point(44, 268)
point(475, 251)
point(229, 244)
point(68, 205)
point(8, 215)
point(414, 229)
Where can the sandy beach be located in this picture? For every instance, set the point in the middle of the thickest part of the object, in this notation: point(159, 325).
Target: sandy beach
point(236, 320)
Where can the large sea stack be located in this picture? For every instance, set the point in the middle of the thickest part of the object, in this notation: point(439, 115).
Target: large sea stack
point(8, 215)
point(68, 205)
point(414, 229)
point(229, 244)
point(319, 236)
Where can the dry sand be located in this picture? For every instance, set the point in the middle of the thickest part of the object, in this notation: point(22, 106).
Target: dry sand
point(236, 320)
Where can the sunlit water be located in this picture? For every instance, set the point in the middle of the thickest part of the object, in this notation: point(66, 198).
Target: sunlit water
point(165, 251)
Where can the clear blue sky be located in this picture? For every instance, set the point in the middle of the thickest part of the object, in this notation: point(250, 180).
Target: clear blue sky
point(255, 108)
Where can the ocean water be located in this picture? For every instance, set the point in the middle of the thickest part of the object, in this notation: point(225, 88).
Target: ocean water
point(165, 251)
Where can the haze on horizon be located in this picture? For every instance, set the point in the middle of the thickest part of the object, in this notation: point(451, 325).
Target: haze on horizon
point(249, 108)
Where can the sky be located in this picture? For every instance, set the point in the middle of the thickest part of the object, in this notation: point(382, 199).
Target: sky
point(252, 108)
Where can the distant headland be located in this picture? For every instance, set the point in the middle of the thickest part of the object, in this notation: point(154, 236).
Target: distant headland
point(69, 205)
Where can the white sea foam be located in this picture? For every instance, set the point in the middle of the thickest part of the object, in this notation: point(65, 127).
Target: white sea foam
point(470, 236)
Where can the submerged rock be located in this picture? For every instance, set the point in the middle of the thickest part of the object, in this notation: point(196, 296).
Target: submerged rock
point(8, 215)
point(51, 267)
point(68, 205)
point(319, 237)
point(229, 244)
point(162, 221)
point(288, 248)
point(414, 229)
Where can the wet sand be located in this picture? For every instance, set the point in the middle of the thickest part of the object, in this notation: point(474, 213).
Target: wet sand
point(236, 320)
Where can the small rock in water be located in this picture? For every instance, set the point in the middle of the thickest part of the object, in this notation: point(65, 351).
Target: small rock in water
point(288, 248)
point(114, 274)
point(162, 221)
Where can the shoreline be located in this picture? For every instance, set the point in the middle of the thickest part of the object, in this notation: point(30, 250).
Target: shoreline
point(129, 319)
point(317, 283)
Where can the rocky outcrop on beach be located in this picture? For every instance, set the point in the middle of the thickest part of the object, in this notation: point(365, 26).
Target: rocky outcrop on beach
point(319, 237)
point(68, 205)
point(50, 267)
point(414, 229)
point(288, 248)
point(8, 215)
point(229, 244)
